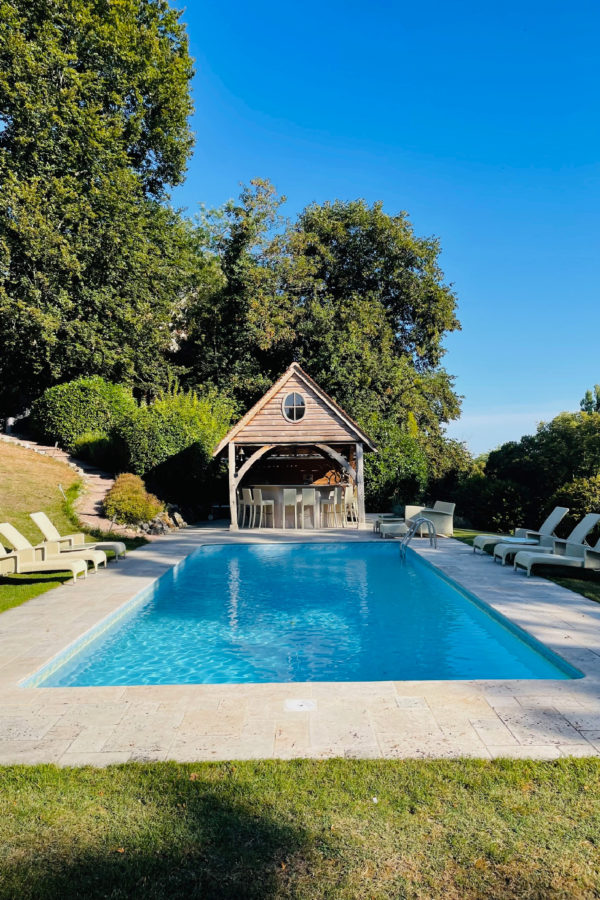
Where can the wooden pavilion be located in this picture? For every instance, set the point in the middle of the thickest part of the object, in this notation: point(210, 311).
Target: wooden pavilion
point(296, 436)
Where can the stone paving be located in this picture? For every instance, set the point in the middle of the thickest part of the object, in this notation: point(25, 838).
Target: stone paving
point(97, 726)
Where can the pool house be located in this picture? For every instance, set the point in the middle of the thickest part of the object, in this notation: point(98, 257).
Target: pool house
point(296, 460)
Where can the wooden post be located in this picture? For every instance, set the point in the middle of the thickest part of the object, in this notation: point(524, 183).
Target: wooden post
point(232, 488)
point(360, 484)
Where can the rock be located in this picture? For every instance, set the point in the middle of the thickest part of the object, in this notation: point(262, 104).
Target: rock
point(179, 520)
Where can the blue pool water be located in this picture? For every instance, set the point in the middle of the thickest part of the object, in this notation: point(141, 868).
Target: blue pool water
point(303, 612)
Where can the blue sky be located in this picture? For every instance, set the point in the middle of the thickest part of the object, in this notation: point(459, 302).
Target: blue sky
point(481, 120)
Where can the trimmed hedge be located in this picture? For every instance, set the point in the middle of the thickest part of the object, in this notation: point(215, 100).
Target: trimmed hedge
point(68, 412)
point(170, 442)
point(129, 503)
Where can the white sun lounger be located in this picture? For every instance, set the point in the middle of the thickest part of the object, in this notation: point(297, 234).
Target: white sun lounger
point(50, 549)
point(74, 543)
point(571, 552)
point(23, 562)
point(523, 535)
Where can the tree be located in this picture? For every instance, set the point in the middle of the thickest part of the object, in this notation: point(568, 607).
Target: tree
point(348, 291)
point(591, 401)
point(94, 102)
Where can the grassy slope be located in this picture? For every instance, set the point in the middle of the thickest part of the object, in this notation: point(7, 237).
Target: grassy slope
point(303, 829)
point(29, 482)
point(581, 582)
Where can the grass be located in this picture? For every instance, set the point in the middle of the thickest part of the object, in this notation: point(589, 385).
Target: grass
point(584, 582)
point(30, 482)
point(303, 829)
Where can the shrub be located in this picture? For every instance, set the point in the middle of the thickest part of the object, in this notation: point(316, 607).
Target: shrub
point(104, 451)
point(170, 442)
point(67, 412)
point(397, 474)
point(491, 504)
point(582, 496)
point(129, 503)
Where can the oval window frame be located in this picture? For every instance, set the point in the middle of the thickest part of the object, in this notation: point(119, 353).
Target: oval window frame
point(283, 408)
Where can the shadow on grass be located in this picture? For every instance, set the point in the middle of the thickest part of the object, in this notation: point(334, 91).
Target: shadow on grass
point(182, 838)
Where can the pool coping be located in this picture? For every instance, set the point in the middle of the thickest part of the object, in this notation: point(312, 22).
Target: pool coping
point(101, 725)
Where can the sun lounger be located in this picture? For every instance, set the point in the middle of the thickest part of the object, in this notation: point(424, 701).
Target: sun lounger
point(523, 535)
point(571, 552)
point(23, 562)
point(74, 543)
point(505, 551)
point(49, 550)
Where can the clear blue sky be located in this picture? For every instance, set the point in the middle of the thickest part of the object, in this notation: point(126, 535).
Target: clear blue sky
point(479, 119)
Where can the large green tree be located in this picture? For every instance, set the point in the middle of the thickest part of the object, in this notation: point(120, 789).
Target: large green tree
point(94, 106)
point(349, 291)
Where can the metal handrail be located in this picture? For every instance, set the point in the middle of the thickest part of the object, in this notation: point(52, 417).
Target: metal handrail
point(416, 525)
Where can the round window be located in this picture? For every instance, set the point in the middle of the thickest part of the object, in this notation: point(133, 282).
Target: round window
point(294, 407)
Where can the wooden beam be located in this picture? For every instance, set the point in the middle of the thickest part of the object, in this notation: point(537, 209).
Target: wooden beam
point(339, 458)
point(232, 488)
point(251, 460)
point(360, 483)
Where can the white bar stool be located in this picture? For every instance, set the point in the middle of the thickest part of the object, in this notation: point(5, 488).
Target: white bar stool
point(332, 508)
point(290, 498)
point(308, 499)
point(260, 504)
point(246, 505)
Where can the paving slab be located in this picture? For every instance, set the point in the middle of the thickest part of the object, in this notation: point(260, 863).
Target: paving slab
point(97, 726)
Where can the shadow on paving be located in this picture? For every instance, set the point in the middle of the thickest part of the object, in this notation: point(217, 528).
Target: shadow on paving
point(194, 845)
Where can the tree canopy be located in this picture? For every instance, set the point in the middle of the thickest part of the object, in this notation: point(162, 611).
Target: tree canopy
point(94, 103)
point(348, 290)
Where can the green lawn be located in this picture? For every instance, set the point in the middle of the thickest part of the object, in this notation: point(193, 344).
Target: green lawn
point(582, 582)
point(30, 482)
point(303, 829)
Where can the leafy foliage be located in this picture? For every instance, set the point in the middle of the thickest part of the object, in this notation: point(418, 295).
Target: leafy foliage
point(351, 293)
point(398, 473)
point(129, 503)
point(581, 496)
point(94, 100)
point(523, 480)
point(170, 442)
point(69, 413)
point(591, 400)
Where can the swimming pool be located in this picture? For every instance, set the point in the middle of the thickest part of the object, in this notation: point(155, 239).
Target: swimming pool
point(250, 613)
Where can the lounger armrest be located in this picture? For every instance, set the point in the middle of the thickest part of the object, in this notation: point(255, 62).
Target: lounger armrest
point(527, 533)
point(74, 539)
point(24, 556)
point(47, 550)
point(592, 558)
point(9, 564)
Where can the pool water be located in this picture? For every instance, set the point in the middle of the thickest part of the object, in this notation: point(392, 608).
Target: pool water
point(303, 612)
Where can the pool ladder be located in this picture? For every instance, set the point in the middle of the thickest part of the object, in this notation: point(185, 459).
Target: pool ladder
point(416, 525)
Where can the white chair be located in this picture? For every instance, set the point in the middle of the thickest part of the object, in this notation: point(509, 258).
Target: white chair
point(290, 498)
point(441, 514)
point(246, 506)
point(260, 504)
point(332, 508)
point(308, 499)
point(351, 503)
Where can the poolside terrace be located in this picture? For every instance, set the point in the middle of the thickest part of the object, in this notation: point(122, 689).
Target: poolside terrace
point(102, 725)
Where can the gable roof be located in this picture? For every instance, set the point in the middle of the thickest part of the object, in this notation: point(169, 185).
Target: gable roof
point(296, 370)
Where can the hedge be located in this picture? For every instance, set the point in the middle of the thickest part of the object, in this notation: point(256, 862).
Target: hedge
point(66, 412)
